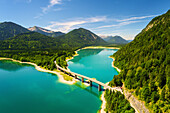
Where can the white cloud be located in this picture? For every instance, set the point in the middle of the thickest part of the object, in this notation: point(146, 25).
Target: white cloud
point(51, 4)
point(134, 18)
point(119, 24)
point(66, 26)
point(122, 22)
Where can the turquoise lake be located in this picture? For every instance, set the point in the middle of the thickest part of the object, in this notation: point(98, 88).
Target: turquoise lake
point(23, 89)
point(94, 63)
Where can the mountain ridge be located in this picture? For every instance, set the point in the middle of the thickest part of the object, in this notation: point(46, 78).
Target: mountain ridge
point(10, 29)
point(115, 40)
point(81, 36)
point(76, 38)
point(45, 31)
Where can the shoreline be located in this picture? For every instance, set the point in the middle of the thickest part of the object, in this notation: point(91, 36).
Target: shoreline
point(99, 47)
point(114, 65)
point(67, 59)
point(104, 101)
point(38, 68)
point(103, 106)
point(90, 47)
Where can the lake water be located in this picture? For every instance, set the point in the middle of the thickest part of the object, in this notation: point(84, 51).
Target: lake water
point(23, 89)
point(94, 63)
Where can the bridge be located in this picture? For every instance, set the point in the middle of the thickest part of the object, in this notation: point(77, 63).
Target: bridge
point(75, 75)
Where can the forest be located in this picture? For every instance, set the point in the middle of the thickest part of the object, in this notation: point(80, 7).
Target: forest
point(116, 103)
point(144, 65)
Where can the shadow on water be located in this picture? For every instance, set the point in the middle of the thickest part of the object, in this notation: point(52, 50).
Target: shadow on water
point(93, 84)
point(93, 90)
point(85, 53)
point(9, 65)
point(89, 89)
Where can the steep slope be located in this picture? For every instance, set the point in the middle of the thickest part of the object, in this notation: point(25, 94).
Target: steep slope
point(45, 31)
point(115, 40)
point(145, 65)
point(9, 29)
point(80, 38)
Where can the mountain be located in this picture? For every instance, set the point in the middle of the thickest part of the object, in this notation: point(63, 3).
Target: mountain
point(45, 31)
point(115, 40)
point(80, 38)
point(43, 50)
point(10, 29)
point(145, 65)
point(33, 40)
point(30, 40)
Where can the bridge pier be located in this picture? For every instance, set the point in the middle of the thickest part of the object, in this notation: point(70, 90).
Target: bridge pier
point(82, 79)
point(69, 74)
point(90, 82)
point(75, 76)
point(99, 88)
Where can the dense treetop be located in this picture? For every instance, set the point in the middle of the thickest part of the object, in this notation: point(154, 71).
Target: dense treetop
point(145, 64)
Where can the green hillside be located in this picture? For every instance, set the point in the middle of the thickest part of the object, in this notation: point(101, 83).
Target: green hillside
point(9, 29)
point(81, 38)
point(145, 65)
point(31, 40)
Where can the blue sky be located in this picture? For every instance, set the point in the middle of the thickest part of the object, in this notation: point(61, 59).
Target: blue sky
point(103, 17)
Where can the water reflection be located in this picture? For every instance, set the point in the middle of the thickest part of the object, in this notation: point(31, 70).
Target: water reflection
point(93, 90)
point(86, 52)
point(9, 65)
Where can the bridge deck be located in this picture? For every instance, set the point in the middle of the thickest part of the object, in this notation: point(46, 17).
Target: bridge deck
point(88, 78)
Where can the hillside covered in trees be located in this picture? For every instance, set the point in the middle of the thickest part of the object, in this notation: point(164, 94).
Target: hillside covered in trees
point(10, 29)
point(81, 38)
point(145, 65)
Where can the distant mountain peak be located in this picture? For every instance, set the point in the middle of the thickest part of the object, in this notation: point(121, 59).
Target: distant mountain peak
point(45, 31)
point(82, 37)
point(115, 39)
point(36, 28)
